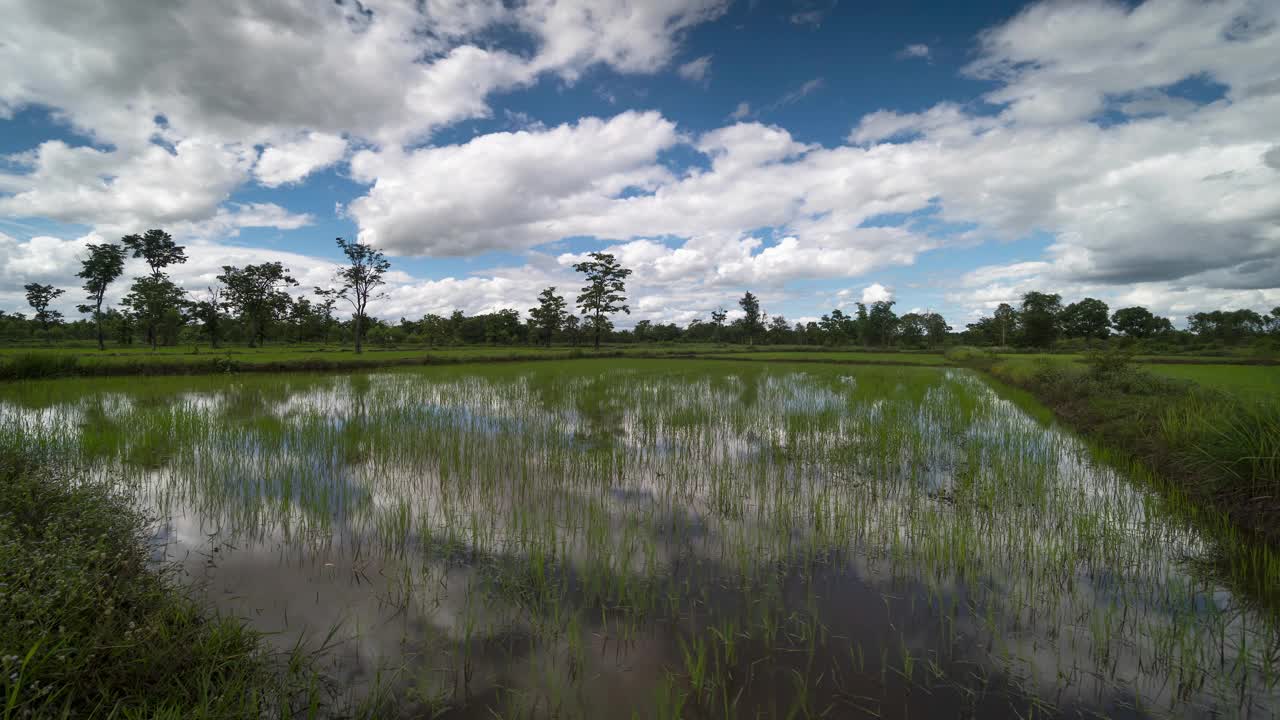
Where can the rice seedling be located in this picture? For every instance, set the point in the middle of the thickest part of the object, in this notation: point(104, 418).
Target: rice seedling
point(669, 538)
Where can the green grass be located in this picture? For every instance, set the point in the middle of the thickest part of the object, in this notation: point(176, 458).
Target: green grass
point(833, 356)
point(25, 362)
point(1251, 381)
point(89, 627)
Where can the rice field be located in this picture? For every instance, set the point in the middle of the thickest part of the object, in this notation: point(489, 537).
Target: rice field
point(675, 539)
point(1257, 381)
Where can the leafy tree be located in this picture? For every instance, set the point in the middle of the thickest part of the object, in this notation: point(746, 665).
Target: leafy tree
point(1088, 318)
point(936, 329)
point(1138, 322)
point(325, 300)
point(157, 249)
point(881, 322)
point(605, 292)
point(1273, 321)
point(502, 327)
point(862, 323)
point(1005, 321)
point(39, 297)
point(257, 293)
point(911, 328)
point(102, 267)
point(208, 312)
point(1040, 318)
point(1133, 321)
point(779, 330)
point(155, 300)
point(751, 324)
point(549, 315)
point(571, 328)
point(364, 274)
point(838, 328)
point(1229, 326)
point(718, 317)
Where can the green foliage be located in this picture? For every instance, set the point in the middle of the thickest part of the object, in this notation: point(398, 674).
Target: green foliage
point(1039, 318)
point(103, 265)
point(157, 303)
point(39, 297)
point(90, 628)
point(157, 249)
point(257, 293)
point(751, 325)
point(359, 281)
point(605, 292)
point(1087, 319)
point(549, 315)
point(1138, 322)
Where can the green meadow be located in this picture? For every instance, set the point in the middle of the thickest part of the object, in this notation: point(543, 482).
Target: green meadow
point(665, 538)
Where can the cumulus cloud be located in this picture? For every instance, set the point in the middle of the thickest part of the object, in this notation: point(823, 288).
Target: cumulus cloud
point(875, 293)
point(182, 93)
point(115, 190)
point(292, 161)
point(1089, 136)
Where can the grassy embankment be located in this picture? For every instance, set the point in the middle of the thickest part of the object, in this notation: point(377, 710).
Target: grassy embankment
point(25, 362)
point(1211, 434)
point(90, 627)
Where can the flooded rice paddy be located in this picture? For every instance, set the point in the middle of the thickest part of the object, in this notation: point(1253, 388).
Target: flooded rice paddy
point(673, 539)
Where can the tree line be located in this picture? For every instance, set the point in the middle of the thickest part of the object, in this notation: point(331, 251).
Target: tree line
point(252, 304)
point(1041, 321)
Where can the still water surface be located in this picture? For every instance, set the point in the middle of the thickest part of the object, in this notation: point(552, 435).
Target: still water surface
point(674, 539)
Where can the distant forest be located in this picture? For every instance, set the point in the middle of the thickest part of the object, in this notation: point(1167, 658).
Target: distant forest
point(253, 305)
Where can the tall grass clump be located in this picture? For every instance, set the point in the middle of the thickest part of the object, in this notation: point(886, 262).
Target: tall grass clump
point(89, 627)
point(38, 365)
point(1211, 445)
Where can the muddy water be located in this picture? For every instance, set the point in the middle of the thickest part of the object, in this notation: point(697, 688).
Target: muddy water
point(672, 539)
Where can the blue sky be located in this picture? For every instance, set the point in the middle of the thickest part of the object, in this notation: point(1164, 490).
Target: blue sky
point(947, 155)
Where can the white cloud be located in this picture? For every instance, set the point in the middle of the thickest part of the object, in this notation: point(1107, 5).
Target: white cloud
point(875, 293)
point(114, 190)
point(215, 77)
point(1172, 198)
point(697, 70)
point(292, 161)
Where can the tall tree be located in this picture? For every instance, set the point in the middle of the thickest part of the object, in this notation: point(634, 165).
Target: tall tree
point(102, 267)
point(1089, 319)
point(359, 280)
point(257, 293)
point(605, 292)
point(549, 315)
point(1040, 318)
point(882, 322)
point(911, 328)
point(326, 298)
point(157, 249)
point(1006, 322)
point(38, 297)
point(751, 324)
point(571, 328)
point(936, 329)
point(208, 312)
point(718, 317)
point(154, 300)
